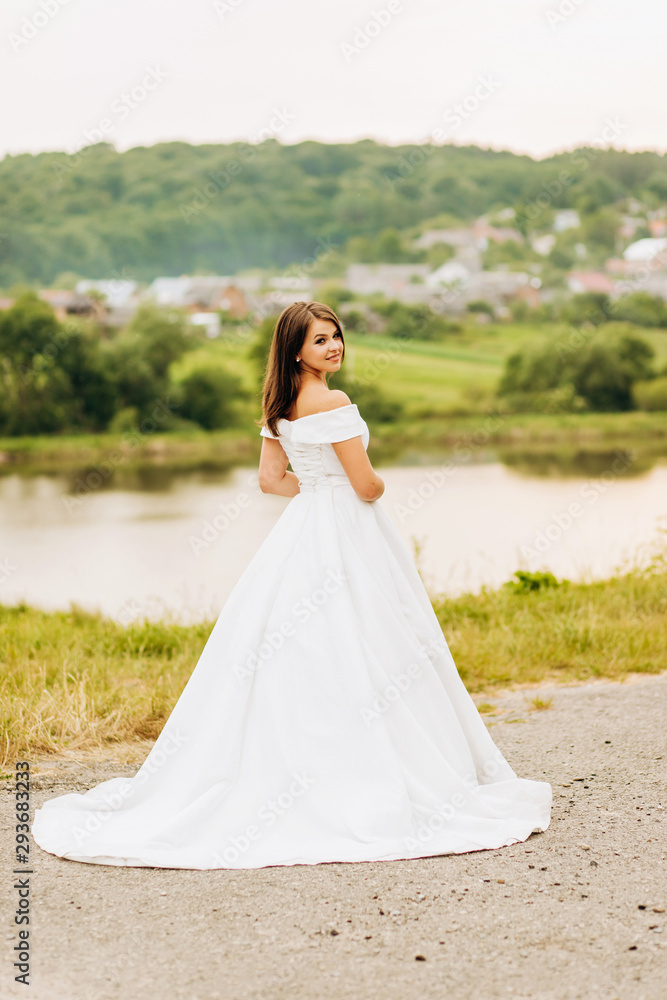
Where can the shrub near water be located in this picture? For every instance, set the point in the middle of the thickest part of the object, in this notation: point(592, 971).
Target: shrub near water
point(79, 681)
point(651, 395)
point(599, 373)
point(538, 629)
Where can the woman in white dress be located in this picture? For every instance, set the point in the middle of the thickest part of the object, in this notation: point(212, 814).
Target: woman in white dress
point(325, 719)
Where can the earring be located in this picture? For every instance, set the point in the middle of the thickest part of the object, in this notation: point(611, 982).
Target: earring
point(298, 359)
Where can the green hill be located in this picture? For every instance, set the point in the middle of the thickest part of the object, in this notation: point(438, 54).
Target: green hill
point(175, 208)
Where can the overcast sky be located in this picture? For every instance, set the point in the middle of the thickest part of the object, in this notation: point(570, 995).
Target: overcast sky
point(526, 75)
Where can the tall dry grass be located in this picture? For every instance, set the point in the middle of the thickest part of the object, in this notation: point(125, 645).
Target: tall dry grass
point(79, 681)
point(559, 632)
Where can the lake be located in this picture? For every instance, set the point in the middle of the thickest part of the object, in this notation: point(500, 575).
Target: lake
point(156, 542)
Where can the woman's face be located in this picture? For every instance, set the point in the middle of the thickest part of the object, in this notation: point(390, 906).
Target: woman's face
point(322, 349)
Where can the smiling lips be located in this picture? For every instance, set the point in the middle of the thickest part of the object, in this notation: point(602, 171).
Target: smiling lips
point(334, 358)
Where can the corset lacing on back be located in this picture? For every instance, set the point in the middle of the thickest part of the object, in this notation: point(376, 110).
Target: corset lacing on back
point(308, 443)
point(308, 465)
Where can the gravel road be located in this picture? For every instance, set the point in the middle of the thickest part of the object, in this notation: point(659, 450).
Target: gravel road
point(575, 913)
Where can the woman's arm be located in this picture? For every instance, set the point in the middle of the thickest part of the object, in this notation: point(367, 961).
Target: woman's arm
point(273, 474)
point(353, 457)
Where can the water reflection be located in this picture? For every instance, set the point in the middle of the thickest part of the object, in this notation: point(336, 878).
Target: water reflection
point(145, 478)
point(132, 546)
point(576, 463)
point(157, 477)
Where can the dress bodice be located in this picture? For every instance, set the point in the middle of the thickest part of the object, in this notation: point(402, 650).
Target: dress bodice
point(307, 442)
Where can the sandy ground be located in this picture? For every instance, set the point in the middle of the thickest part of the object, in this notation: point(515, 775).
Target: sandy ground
point(575, 912)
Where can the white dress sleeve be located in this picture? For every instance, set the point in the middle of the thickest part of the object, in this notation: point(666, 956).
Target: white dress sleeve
point(329, 426)
point(265, 432)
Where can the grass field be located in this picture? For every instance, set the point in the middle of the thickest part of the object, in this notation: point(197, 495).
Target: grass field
point(443, 378)
point(439, 377)
point(427, 378)
point(78, 681)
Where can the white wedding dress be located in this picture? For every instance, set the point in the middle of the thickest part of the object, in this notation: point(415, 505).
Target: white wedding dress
point(325, 719)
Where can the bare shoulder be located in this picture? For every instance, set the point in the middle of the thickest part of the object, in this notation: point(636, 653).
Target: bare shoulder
point(321, 402)
point(336, 398)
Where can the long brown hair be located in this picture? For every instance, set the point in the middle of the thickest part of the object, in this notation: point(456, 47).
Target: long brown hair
point(282, 377)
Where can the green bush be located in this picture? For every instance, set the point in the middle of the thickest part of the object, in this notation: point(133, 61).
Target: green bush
point(124, 420)
point(209, 397)
point(84, 360)
point(588, 307)
point(537, 368)
point(526, 582)
point(53, 376)
point(651, 394)
point(480, 306)
point(416, 322)
point(597, 374)
point(641, 308)
point(67, 377)
point(606, 368)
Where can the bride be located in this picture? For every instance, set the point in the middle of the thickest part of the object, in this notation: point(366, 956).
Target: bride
point(325, 719)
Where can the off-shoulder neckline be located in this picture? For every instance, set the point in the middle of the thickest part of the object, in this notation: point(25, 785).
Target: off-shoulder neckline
point(318, 414)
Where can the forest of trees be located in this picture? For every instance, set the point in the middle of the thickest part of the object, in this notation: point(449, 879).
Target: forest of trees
point(72, 377)
point(176, 208)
